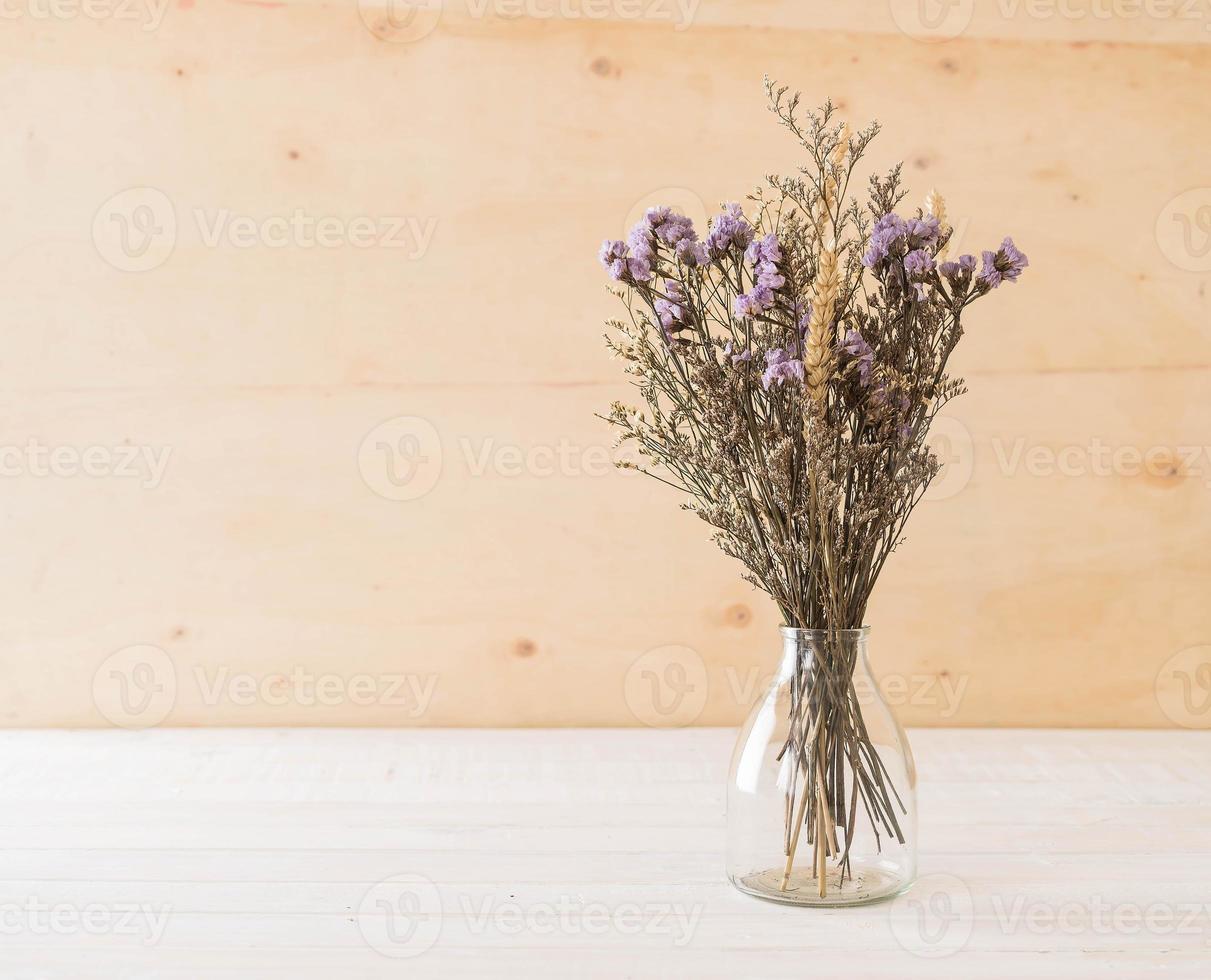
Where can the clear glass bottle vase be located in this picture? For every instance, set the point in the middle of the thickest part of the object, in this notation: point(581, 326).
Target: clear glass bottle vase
point(821, 806)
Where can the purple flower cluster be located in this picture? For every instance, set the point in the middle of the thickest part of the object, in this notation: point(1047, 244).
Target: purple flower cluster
point(918, 264)
point(765, 254)
point(860, 351)
point(894, 236)
point(620, 265)
point(635, 259)
point(728, 230)
point(781, 366)
point(956, 271)
point(1003, 265)
point(737, 359)
point(671, 309)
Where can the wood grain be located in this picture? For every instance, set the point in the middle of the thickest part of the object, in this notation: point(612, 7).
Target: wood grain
point(529, 584)
point(585, 853)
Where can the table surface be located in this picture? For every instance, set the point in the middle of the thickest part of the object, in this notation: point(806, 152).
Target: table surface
point(578, 853)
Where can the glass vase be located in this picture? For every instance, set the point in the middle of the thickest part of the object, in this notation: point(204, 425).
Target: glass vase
point(821, 805)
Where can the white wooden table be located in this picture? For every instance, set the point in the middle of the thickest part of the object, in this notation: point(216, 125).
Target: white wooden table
point(374, 853)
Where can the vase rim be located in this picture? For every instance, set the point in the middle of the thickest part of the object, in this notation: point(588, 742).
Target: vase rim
point(860, 632)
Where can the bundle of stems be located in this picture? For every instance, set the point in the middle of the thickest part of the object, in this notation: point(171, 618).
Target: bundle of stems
point(790, 364)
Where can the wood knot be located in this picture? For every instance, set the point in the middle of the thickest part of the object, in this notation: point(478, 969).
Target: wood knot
point(1163, 469)
point(603, 67)
point(525, 648)
point(738, 615)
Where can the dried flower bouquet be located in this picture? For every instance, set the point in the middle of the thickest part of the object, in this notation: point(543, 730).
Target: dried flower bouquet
point(790, 364)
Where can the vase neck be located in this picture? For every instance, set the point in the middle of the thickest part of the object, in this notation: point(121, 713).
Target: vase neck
point(802, 647)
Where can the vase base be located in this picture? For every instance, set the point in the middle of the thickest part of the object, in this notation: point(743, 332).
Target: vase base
point(865, 886)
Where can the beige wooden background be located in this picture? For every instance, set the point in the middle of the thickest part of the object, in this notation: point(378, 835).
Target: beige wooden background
point(168, 293)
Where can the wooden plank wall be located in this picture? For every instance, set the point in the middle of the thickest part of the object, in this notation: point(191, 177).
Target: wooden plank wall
point(170, 294)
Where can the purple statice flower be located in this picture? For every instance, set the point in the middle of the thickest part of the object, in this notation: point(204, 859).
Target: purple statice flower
point(888, 231)
point(781, 366)
point(963, 267)
point(663, 225)
point(892, 234)
point(765, 254)
point(639, 268)
point(805, 319)
point(764, 249)
point(670, 309)
point(918, 264)
point(621, 265)
point(676, 228)
point(737, 359)
point(691, 252)
point(729, 229)
point(922, 232)
point(1003, 265)
point(613, 255)
point(750, 304)
point(857, 348)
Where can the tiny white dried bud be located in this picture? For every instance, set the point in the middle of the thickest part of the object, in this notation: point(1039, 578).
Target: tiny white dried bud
point(935, 206)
